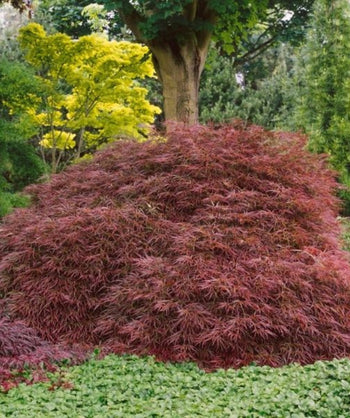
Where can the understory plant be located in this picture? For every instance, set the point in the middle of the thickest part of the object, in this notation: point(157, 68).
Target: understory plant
point(92, 92)
point(129, 386)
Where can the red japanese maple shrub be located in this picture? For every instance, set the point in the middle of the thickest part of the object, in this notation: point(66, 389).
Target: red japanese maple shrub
point(218, 245)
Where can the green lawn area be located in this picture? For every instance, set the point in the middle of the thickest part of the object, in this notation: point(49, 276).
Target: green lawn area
point(129, 386)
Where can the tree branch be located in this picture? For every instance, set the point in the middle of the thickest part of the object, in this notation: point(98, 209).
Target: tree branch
point(205, 14)
point(255, 52)
point(132, 18)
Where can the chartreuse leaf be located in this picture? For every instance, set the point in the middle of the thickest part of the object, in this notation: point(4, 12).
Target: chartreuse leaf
point(92, 90)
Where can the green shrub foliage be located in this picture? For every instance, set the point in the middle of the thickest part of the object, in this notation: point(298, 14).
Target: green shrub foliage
point(19, 163)
point(324, 86)
point(264, 96)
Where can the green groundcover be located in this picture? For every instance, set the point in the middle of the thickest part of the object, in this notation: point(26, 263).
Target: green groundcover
point(128, 386)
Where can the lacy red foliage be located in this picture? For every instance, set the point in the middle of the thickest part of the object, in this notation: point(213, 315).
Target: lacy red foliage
point(16, 339)
point(22, 350)
point(219, 246)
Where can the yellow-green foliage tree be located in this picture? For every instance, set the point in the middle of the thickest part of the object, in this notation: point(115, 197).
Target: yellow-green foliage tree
point(92, 91)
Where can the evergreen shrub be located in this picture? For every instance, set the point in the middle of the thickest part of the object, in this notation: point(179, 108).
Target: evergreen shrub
point(218, 245)
point(8, 201)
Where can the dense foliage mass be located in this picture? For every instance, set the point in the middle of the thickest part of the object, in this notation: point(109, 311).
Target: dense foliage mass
point(258, 91)
point(128, 386)
point(218, 245)
point(92, 93)
point(322, 87)
point(19, 164)
point(325, 59)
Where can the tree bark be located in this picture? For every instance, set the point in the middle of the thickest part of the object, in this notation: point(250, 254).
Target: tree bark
point(178, 62)
point(179, 67)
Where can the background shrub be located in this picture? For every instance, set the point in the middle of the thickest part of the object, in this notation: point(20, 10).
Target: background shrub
point(19, 163)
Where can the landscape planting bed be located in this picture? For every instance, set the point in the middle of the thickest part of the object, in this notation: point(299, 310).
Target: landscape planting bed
point(219, 246)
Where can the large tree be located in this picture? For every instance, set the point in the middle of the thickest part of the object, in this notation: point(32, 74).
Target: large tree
point(178, 34)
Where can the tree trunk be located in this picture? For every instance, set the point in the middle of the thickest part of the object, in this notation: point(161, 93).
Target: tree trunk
point(178, 60)
point(179, 67)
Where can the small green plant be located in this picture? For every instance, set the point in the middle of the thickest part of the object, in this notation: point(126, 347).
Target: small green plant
point(345, 224)
point(9, 201)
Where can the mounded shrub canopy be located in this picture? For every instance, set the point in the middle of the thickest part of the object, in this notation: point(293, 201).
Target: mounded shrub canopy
point(218, 245)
